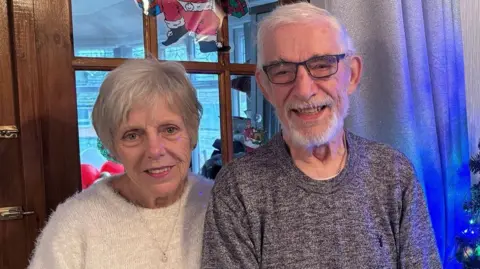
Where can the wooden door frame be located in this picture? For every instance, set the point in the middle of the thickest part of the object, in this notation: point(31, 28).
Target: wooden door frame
point(42, 61)
point(24, 59)
point(56, 85)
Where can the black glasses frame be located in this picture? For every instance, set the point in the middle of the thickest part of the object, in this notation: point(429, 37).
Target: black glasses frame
point(338, 57)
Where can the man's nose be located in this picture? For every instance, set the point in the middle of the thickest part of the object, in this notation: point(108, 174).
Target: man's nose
point(304, 84)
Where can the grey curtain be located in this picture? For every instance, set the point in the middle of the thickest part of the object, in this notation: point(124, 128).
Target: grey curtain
point(412, 96)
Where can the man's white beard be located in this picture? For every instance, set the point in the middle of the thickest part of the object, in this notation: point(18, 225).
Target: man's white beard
point(314, 139)
point(311, 139)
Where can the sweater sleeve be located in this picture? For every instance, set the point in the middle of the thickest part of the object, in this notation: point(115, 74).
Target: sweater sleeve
point(418, 247)
point(60, 244)
point(228, 242)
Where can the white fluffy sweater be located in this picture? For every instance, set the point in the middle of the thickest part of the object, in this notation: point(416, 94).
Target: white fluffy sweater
point(98, 229)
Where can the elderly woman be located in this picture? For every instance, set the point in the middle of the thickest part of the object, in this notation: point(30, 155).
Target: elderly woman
point(147, 116)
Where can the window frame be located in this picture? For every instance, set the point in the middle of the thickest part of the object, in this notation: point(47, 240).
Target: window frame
point(224, 68)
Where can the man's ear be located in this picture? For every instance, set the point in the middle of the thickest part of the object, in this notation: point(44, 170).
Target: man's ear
point(263, 84)
point(355, 73)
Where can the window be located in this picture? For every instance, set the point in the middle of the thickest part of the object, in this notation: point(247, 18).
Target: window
point(108, 32)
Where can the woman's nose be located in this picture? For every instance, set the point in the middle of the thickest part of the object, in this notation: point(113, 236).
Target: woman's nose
point(155, 147)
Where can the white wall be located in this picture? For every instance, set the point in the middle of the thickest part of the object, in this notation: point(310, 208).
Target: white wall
point(470, 20)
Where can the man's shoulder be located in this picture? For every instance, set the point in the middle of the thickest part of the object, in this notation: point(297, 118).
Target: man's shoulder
point(377, 150)
point(252, 170)
point(263, 158)
point(383, 158)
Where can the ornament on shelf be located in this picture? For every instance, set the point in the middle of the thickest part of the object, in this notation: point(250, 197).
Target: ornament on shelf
point(149, 7)
point(253, 137)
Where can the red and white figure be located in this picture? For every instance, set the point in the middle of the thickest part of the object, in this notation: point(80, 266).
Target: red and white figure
point(202, 18)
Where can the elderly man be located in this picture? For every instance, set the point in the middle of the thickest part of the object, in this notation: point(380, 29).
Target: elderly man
point(316, 196)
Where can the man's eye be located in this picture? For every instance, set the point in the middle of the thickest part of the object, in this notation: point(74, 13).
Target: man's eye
point(171, 130)
point(281, 72)
point(321, 66)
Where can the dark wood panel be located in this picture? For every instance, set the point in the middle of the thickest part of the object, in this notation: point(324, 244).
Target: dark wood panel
point(242, 69)
point(107, 64)
point(13, 250)
point(28, 119)
point(7, 109)
point(150, 36)
point(56, 85)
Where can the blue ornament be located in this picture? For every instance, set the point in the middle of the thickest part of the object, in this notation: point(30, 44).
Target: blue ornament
point(149, 7)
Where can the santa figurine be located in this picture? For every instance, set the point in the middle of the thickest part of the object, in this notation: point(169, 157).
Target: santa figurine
point(248, 132)
point(201, 17)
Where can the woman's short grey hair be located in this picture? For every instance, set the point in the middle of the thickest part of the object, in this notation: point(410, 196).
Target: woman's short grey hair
point(302, 12)
point(144, 81)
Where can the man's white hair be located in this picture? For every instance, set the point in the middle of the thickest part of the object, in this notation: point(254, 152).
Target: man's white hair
point(298, 13)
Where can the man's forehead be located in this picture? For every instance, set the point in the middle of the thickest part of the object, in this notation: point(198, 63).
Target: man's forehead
point(299, 48)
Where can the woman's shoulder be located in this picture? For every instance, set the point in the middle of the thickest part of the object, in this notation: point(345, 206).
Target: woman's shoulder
point(199, 189)
point(200, 183)
point(91, 201)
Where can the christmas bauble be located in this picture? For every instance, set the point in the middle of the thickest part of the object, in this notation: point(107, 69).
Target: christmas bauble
point(112, 167)
point(89, 174)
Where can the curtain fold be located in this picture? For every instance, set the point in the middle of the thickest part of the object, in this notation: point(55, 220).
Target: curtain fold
point(412, 96)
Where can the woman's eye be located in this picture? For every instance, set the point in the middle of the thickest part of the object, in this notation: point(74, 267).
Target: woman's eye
point(130, 136)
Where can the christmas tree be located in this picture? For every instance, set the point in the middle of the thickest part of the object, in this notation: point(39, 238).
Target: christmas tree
point(468, 243)
point(475, 162)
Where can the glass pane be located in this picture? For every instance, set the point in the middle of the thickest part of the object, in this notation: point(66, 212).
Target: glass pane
point(91, 157)
point(177, 44)
point(253, 118)
point(242, 31)
point(109, 29)
point(208, 151)
point(87, 85)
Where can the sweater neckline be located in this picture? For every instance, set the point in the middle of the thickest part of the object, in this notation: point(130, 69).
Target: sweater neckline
point(123, 204)
point(298, 178)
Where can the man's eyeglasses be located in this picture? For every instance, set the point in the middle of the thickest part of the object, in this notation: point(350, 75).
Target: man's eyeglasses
point(317, 67)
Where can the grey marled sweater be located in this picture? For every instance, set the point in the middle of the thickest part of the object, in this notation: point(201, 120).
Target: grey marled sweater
point(265, 213)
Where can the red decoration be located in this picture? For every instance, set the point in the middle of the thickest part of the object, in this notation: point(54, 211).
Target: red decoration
point(195, 16)
point(89, 175)
point(112, 168)
point(201, 18)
